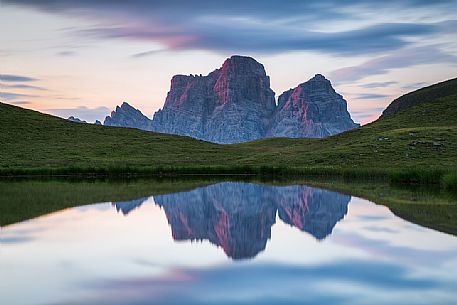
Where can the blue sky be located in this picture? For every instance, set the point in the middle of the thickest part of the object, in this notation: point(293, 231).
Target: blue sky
point(83, 58)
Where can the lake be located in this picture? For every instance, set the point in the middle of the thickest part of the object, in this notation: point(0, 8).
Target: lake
point(227, 243)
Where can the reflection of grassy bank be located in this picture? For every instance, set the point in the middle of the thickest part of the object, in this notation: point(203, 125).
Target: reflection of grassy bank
point(432, 208)
point(436, 177)
point(27, 199)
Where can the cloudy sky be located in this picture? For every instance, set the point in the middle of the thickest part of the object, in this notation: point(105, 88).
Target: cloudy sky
point(83, 58)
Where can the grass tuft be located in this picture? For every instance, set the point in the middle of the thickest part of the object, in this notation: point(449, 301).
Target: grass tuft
point(450, 182)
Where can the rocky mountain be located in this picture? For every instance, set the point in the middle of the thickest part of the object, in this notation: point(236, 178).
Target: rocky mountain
point(75, 119)
point(236, 104)
point(127, 116)
point(311, 110)
point(232, 104)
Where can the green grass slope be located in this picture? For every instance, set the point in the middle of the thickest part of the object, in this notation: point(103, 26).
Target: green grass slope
point(423, 95)
point(423, 137)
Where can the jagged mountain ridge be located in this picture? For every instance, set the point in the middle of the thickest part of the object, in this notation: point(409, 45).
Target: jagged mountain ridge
point(235, 104)
point(127, 116)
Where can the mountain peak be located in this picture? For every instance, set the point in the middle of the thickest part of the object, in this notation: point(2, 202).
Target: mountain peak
point(128, 116)
point(235, 103)
point(311, 110)
point(126, 105)
point(241, 59)
point(319, 77)
point(231, 104)
point(75, 119)
point(243, 65)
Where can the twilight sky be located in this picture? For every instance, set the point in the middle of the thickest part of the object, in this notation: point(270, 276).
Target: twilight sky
point(83, 58)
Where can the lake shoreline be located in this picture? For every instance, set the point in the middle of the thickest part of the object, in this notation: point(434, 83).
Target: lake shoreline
point(427, 205)
point(436, 177)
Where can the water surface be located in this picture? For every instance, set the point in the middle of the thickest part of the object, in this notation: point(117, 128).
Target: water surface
point(228, 243)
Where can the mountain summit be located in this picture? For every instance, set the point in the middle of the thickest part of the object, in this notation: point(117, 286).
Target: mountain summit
point(232, 104)
point(235, 104)
point(127, 116)
point(311, 110)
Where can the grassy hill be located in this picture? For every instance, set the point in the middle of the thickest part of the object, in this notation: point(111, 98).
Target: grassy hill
point(422, 138)
point(424, 95)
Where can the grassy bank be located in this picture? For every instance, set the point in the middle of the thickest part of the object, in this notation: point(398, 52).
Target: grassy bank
point(438, 178)
point(418, 145)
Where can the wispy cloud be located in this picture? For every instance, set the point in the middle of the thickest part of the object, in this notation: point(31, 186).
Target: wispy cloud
point(403, 58)
point(364, 114)
point(378, 84)
point(20, 102)
point(66, 53)
point(16, 78)
point(415, 85)
point(371, 96)
point(21, 86)
point(146, 53)
point(252, 26)
point(11, 96)
point(273, 38)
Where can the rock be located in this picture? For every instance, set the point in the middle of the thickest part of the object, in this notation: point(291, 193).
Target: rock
point(230, 105)
point(97, 122)
point(311, 110)
point(127, 116)
point(236, 104)
point(75, 119)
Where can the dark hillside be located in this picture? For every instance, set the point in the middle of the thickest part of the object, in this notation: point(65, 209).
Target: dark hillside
point(423, 95)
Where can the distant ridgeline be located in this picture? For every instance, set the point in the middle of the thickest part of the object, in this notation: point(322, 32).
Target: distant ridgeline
point(236, 104)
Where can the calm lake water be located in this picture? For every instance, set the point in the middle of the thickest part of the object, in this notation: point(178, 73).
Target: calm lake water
point(228, 243)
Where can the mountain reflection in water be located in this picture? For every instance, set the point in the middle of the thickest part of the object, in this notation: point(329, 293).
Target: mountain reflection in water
point(238, 216)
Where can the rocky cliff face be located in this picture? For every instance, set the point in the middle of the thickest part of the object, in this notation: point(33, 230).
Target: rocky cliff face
point(232, 104)
point(127, 116)
point(311, 110)
point(236, 104)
